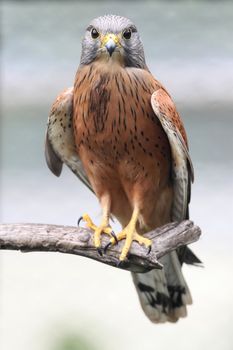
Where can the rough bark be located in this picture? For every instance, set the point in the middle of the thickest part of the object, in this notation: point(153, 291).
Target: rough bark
point(78, 240)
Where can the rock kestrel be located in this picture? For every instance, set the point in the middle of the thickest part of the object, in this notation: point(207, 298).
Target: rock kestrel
point(119, 131)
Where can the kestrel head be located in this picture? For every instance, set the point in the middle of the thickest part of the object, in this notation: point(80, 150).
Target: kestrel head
point(113, 39)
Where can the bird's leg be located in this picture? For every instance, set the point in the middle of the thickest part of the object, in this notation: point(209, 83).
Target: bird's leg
point(104, 225)
point(130, 234)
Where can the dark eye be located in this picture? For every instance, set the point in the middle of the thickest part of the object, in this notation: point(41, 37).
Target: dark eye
point(127, 33)
point(94, 33)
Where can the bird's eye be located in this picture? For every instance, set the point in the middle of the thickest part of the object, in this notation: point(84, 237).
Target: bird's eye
point(94, 33)
point(127, 33)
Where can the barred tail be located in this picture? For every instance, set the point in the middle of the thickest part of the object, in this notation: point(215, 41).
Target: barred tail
point(163, 294)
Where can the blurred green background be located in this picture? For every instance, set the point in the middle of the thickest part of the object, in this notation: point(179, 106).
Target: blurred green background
point(60, 302)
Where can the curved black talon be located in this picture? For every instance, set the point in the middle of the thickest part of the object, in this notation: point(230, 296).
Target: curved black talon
point(79, 220)
point(114, 236)
point(99, 250)
point(120, 263)
point(107, 246)
point(149, 250)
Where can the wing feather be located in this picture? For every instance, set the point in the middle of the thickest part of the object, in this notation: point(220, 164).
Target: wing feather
point(59, 143)
point(53, 161)
point(182, 168)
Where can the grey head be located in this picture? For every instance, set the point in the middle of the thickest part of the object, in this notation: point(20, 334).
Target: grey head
point(113, 38)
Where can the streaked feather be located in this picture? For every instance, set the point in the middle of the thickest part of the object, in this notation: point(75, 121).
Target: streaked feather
point(182, 168)
point(60, 146)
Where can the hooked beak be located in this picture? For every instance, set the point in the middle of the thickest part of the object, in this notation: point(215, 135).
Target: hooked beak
point(110, 41)
point(110, 46)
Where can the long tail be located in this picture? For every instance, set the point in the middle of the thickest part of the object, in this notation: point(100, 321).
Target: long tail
point(163, 294)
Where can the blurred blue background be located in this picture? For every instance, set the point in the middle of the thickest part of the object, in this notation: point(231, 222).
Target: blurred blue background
point(60, 302)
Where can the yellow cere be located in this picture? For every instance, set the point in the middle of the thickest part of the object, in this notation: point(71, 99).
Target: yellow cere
point(109, 36)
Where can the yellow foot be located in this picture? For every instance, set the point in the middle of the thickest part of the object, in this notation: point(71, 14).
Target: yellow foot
point(130, 235)
point(98, 230)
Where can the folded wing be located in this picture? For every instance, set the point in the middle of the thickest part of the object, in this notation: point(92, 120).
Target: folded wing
point(182, 169)
point(59, 142)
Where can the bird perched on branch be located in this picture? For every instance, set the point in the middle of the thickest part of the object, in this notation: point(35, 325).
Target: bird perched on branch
point(119, 131)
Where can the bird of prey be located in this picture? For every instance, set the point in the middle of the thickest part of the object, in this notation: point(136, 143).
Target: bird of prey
point(119, 131)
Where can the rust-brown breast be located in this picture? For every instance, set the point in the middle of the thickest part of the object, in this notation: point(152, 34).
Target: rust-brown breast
point(119, 139)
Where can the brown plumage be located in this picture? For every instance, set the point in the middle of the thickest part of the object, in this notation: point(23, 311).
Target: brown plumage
point(122, 145)
point(119, 131)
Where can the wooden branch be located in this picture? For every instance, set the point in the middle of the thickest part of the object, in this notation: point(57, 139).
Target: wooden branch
point(78, 240)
